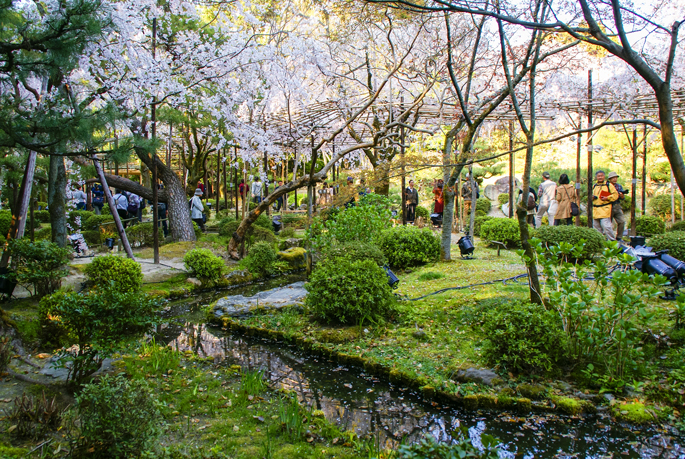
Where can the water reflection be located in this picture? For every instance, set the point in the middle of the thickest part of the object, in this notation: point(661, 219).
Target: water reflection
point(360, 402)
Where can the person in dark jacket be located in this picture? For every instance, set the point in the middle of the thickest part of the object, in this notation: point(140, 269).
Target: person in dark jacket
point(411, 197)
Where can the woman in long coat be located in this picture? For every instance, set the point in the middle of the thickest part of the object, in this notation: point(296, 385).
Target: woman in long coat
point(566, 194)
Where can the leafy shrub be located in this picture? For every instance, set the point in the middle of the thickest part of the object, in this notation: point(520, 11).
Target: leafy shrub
point(480, 213)
point(287, 233)
point(43, 234)
point(222, 224)
point(122, 274)
point(259, 234)
point(141, 234)
point(673, 241)
point(505, 230)
point(660, 206)
point(293, 218)
point(39, 265)
point(357, 293)
point(96, 322)
point(203, 264)
point(677, 226)
point(422, 212)
point(522, 337)
point(464, 448)
point(91, 237)
point(408, 246)
point(197, 230)
point(117, 418)
point(261, 259)
point(42, 216)
point(503, 199)
point(555, 235)
point(228, 228)
point(478, 223)
point(264, 221)
point(76, 218)
point(355, 251)
point(649, 226)
point(94, 222)
point(34, 416)
point(42, 205)
point(483, 205)
point(5, 222)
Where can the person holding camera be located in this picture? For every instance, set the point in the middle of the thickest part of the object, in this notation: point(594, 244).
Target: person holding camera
point(616, 209)
point(603, 195)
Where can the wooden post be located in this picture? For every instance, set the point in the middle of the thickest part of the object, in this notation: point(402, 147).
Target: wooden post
point(235, 180)
point(225, 182)
point(113, 207)
point(633, 184)
point(155, 191)
point(404, 176)
point(589, 150)
point(218, 178)
point(512, 171)
point(644, 171)
point(579, 148)
point(474, 198)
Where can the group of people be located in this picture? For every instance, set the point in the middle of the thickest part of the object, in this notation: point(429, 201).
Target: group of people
point(411, 198)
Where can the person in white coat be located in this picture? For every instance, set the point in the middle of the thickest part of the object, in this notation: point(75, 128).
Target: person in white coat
point(197, 209)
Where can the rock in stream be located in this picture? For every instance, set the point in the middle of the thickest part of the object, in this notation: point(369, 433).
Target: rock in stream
point(277, 298)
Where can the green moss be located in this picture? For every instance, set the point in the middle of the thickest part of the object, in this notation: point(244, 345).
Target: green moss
point(635, 413)
point(570, 406)
point(294, 256)
point(487, 401)
point(523, 405)
point(532, 391)
point(428, 391)
point(9, 452)
point(337, 335)
point(505, 401)
point(471, 402)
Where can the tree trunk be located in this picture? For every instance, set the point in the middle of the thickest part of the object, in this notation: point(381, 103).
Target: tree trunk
point(113, 206)
point(57, 190)
point(382, 177)
point(448, 198)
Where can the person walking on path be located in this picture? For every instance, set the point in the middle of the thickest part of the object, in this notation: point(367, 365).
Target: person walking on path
point(133, 205)
point(603, 194)
point(439, 205)
point(256, 190)
point(98, 199)
point(79, 198)
point(616, 209)
point(530, 205)
point(546, 195)
point(162, 214)
point(565, 195)
point(242, 189)
point(196, 209)
point(121, 202)
point(467, 194)
point(411, 198)
point(279, 200)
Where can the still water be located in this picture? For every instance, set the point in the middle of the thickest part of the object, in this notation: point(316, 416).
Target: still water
point(371, 406)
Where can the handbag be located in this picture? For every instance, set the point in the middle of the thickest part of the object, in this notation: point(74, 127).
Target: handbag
point(575, 210)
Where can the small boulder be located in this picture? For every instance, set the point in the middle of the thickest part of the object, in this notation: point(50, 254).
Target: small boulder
point(294, 256)
point(291, 242)
point(475, 375)
point(194, 281)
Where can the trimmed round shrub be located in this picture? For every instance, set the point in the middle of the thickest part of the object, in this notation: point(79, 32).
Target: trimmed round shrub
point(264, 221)
point(94, 222)
point(522, 337)
point(348, 292)
point(660, 206)
point(648, 225)
point(260, 234)
point(42, 216)
point(505, 230)
point(77, 218)
point(227, 229)
point(122, 274)
point(5, 222)
point(117, 417)
point(406, 246)
point(43, 234)
point(677, 226)
point(673, 241)
point(554, 235)
point(478, 223)
point(261, 259)
point(287, 233)
point(355, 251)
point(422, 212)
point(503, 198)
point(203, 264)
point(483, 205)
point(141, 234)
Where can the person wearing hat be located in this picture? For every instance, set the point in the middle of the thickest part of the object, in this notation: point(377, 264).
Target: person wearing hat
point(197, 209)
point(616, 209)
point(603, 194)
point(547, 200)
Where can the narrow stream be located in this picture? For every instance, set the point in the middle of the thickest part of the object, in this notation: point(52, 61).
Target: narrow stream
point(372, 406)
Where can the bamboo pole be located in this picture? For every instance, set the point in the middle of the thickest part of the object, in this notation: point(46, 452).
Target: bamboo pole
point(113, 207)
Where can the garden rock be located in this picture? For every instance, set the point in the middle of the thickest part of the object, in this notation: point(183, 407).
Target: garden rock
point(53, 368)
point(294, 256)
point(475, 375)
point(291, 242)
point(274, 299)
point(195, 281)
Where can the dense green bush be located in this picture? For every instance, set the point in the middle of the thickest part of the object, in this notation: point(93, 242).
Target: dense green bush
point(227, 229)
point(97, 322)
point(260, 234)
point(483, 205)
point(649, 226)
point(42, 216)
point(677, 226)
point(43, 234)
point(660, 206)
point(223, 231)
point(92, 237)
point(555, 235)
point(349, 292)
point(197, 230)
point(355, 251)
point(122, 274)
point(673, 241)
point(478, 223)
point(406, 246)
point(5, 222)
point(522, 337)
point(264, 221)
point(39, 265)
point(422, 212)
point(76, 218)
point(464, 448)
point(117, 417)
point(505, 230)
point(203, 264)
point(94, 222)
point(503, 198)
point(141, 234)
point(261, 258)
point(287, 233)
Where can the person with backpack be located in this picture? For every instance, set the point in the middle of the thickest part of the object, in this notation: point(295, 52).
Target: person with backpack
point(567, 199)
point(121, 203)
point(616, 209)
point(531, 205)
point(197, 209)
point(133, 205)
point(98, 199)
point(603, 195)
